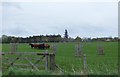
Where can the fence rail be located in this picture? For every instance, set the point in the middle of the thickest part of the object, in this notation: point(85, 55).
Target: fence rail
point(47, 58)
point(33, 53)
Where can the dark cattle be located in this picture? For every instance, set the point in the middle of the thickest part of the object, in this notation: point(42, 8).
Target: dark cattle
point(40, 46)
point(47, 46)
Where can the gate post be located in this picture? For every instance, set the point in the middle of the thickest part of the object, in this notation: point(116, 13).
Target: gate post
point(52, 61)
point(46, 61)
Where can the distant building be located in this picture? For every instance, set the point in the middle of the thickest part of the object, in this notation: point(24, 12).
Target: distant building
point(108, 40)
point(86, 39)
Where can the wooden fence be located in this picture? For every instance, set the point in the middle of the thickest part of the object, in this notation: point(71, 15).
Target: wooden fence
point(78, 50)
point(13, 47)
point(100, 50)
point(33, 59)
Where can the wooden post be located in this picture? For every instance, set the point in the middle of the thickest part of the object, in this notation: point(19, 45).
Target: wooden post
point(78, 52)
point(85, 64)
point(0, 62)
point(100, 50)
point(52, 61)
point(54, 49)
point(13, 47)
point(46, 60)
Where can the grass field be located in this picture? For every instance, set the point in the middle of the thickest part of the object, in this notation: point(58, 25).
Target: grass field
point(65, 57)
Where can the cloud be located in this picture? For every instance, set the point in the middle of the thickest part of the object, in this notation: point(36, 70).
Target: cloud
point(11, 5)
point(81, 19)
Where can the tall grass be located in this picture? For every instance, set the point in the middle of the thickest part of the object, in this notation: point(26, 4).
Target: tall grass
point(65, 57)
point(0, 73)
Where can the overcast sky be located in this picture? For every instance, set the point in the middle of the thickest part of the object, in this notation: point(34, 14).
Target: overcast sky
point(84, 19)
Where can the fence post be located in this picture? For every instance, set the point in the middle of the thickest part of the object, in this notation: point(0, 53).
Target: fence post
point(52, 61)
point(54, 49)
point(46, 60)
point(78, 52)
point(0, 62)
point(100, 50)
point(13, 47)
point(85, 64)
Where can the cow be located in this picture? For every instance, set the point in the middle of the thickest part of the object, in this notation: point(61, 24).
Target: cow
point(40, 46)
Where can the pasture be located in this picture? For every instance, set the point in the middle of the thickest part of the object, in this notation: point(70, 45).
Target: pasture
point(106, 64)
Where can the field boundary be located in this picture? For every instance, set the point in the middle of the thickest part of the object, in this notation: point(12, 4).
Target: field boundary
point(49, 59)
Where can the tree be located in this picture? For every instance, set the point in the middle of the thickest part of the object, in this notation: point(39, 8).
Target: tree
point(78, 39)
point(4, 39)
point(0, 39)
point(66, 36)
point(66, 33)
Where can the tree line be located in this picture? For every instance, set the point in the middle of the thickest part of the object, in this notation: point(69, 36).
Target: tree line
point(51, 38)
point(31, 39)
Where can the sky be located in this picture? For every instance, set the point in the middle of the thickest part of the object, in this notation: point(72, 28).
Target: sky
point(84, 19)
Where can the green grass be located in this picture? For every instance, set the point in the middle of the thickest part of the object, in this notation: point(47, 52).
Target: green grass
point(65, 57)
point(0, 73)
